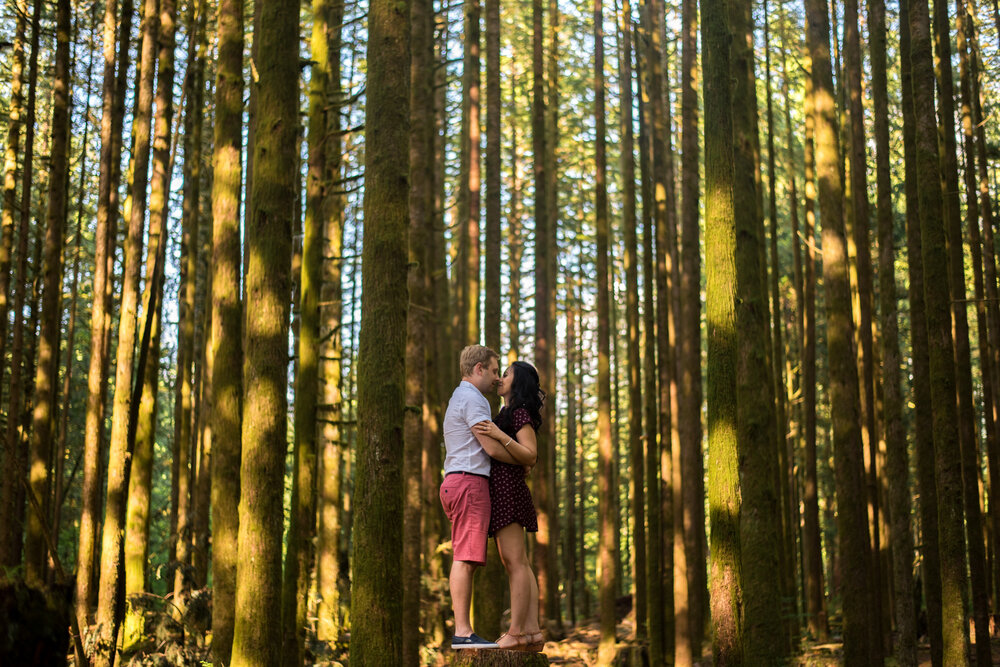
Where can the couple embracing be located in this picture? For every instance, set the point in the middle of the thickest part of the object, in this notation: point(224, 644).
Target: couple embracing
point(484, 492)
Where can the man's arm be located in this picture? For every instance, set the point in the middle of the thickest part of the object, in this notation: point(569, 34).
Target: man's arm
point(495, 449)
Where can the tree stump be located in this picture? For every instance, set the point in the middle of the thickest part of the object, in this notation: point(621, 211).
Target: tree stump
point(496, 658)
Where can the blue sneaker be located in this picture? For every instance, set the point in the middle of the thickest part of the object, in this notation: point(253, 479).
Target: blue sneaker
point(472, 641)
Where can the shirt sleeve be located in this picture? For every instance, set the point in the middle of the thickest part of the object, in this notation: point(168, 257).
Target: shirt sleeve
point(521, 417)
point(477, 411)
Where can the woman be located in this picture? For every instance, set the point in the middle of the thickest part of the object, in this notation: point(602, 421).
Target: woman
point(512, 511)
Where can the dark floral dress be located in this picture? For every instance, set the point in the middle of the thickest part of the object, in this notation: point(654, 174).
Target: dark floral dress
point(510, 498)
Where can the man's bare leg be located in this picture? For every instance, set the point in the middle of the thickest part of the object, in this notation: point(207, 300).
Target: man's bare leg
point(460, 582)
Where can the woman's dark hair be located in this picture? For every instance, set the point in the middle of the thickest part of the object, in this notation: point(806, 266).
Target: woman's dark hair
point(526, 393)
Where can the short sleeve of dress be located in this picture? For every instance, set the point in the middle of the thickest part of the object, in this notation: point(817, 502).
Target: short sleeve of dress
point(520, 418)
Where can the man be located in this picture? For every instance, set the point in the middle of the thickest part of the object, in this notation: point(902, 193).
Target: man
point(465, 491)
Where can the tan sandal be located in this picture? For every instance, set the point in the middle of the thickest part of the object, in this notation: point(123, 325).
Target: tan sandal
point(519, 646)
point(535, 645)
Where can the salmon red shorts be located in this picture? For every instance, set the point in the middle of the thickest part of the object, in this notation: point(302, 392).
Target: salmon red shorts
point(466, 501)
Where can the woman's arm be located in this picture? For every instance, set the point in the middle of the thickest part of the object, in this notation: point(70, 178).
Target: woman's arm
point(493, 447)
point(523, 449)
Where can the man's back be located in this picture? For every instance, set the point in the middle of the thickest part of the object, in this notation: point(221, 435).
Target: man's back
point(466, 408)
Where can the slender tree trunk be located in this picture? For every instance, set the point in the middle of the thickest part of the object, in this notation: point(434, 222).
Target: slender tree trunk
point(814, 588)
point(854, 548)
point(59, 490)
point(97, 369)
point(300, 553)
point(190, 246)
point(570, 565)
point(720, 243)
point(654, 536)
point(989, 257)
point(327, 562)
point(960, 328)
point(256, 634)
point(119, 457)
point(788, 605)
point(947, 445)
point(227, 321)
point(545, 548)
point(10, 180)
point(47, 369)
point(12, 541)
point(690, 429)
point(419, 315)
point(636, 462)
point(376, 609)
point(897, 463)
point(607, 551)
point(923, 431)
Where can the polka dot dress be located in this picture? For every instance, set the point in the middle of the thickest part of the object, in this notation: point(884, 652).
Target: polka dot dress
point(510, 498)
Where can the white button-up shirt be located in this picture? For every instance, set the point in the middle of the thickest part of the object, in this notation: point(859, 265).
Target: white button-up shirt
point(466, 408)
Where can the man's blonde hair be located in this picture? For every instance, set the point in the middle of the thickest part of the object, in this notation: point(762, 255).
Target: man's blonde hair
point(475, 354)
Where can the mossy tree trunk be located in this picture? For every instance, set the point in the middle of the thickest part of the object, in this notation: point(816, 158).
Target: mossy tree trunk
point(607, 548)
point(300, 553)
point(227, 324)
point(419, 341)
point(12, 502)
point(760, 515)
point(47, 369)
point(628, 225)
point(720, 297)
point(256, 632)
point(376, 609)
point(894, 430)
point(119, 458)
point(854, 551)
point(923, 413)
point(941, 376)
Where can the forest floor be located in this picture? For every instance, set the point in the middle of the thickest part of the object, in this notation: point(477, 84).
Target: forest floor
point(579, 647)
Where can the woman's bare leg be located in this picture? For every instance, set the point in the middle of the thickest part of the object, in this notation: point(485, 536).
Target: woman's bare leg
point(523, 587)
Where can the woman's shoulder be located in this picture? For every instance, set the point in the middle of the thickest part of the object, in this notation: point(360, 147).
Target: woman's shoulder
point(520, 417)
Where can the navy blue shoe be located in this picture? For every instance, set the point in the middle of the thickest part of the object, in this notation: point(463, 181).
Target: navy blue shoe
point(472, 641)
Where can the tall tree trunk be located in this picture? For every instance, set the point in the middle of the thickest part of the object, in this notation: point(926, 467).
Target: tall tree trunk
point(760, 528)
point(960, 327)
point(420, 314)
point(924, 430)
point(942, 378)
point(812, 543)
point(860, 215)
point(788, 604)
point(140, 484)
point(190, 247)
point(854, 548)
point(376, 610)
point(10, 179)
point(607, 549)
point(300, 554)
point(119, 457)
point(544, 348)
point(12, 541)
point(227, 322)
point(47, 370)
point(327, 563)
point(690, 429)
point(570, 564)
point(720, 297)
point(628, 225)
point(256, 635)
point(654, 536)
point(469, 190)
point(989, 257)
point(488, 599)
point(97, 369)
point(795, 381)
point(894, 430)
point(663, 217)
